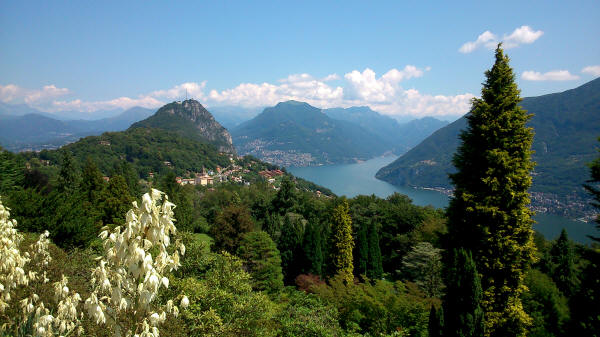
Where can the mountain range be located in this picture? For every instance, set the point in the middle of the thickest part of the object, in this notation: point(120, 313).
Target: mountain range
point(566, 126)
point(400, 136)
point(22, 127)
point(297, 134)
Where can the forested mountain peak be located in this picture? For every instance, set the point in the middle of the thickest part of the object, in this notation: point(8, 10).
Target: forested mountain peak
point(295, 133)
point(190, 119)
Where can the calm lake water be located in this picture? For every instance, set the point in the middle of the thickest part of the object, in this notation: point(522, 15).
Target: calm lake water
point(354, 179)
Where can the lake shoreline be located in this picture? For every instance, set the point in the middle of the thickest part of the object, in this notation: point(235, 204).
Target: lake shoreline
point(362, 176)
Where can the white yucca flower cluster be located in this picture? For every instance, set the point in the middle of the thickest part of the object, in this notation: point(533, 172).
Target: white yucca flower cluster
point(134, 267)
point(19, 269)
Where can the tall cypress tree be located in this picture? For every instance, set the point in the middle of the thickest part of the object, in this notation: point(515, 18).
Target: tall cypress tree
point(312, 248)
point(68, 179)
point(374, 265)
point(463, 315)
point(342, 243)
point(488, 214)
point(290, 247)
point(563, 267)
point(361, 250)
point(436, 322)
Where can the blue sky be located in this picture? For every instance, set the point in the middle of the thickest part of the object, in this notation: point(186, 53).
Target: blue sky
point(400, 58)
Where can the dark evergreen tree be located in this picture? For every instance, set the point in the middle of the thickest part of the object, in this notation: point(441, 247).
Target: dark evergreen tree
point(262, 261)
point(585, 311)
point(488, 214)
point(272, 225)
point(361, 250)
point(68, 177)
point(436, 322)
point(290, 247)
point(116, 201)
point(374, 265)
point(126, 170)
point(286, 197)
point(92, 183)
point(463, 315)
point(312, 248)
point(563, 267)
point(37, 180)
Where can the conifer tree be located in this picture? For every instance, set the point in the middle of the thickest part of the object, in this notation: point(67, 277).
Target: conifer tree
point(92, 185)
point(361, 250)
point(262, 260)
point(67, 176)
point(286, 197)
point(563, 267)
point(436, 322)
point(116, 201)
point(312, 248)
point(289, 245)
point(463, 315)
point(374, 264)
point(488, 214)
point(342, 243)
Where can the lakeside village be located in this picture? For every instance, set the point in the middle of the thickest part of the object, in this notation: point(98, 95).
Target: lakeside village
point(572, 206)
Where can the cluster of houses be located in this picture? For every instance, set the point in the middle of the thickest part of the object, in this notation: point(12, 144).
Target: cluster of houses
point(200, 179)
point(270, 175)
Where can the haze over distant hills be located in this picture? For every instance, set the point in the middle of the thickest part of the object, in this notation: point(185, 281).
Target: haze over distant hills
point(566, 127)
point(22, 127)
point(232, 116)
point(400, 136)
point(189, 119)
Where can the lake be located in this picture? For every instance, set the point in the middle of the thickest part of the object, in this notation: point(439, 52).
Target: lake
point(354, 179)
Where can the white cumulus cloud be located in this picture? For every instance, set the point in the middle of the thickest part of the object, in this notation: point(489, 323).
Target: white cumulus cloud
point(302, 87)
point(487, 39)
point(356, 88)
point(592, 70)
point(555, 75)
point(92, 106)
point(191, 89)
point(15, 94)
point(521, 35)
point(366, 86)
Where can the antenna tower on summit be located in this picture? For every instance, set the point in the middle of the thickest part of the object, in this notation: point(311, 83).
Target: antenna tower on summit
point(186, 94)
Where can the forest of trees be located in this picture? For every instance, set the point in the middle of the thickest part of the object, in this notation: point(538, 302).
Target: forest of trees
point(260, 261)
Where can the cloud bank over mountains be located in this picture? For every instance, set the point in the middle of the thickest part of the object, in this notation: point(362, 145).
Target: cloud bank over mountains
point(384, 94)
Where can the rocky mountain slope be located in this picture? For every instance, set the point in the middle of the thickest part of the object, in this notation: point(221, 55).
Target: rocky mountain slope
point(189, 119)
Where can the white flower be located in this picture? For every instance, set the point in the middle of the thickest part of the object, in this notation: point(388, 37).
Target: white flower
point(185, 302)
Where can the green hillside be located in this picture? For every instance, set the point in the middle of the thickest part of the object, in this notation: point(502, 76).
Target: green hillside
point(146, 149)
point(566, 127)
